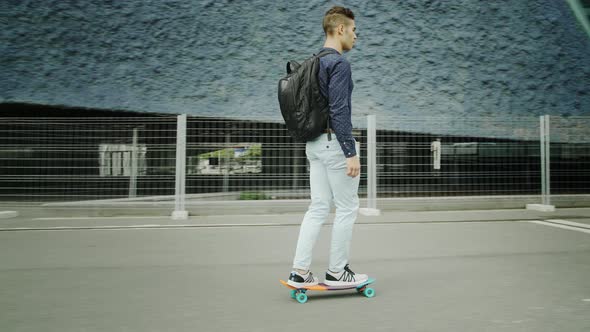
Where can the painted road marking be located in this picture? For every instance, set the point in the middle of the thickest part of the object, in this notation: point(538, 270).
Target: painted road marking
point(133, 227)
point(561, 225)
point(100, 218)
point(569, 223)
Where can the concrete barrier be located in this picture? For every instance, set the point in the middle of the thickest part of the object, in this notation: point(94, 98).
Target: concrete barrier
point(8, 214)
point(196, 207)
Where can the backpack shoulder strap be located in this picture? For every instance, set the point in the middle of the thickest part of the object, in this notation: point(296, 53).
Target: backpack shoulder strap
point(319, 55)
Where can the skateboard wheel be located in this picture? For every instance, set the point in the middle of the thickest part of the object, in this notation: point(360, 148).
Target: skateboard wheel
point(293, 293)
point(369, 292)
point(301, 298)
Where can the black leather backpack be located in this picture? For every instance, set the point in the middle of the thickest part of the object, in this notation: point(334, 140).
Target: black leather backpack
point(305, 110)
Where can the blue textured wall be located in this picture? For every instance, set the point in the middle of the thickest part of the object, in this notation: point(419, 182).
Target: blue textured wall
point(223, 58)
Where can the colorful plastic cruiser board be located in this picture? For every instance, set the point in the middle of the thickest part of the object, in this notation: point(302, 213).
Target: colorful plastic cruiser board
point(299, 293)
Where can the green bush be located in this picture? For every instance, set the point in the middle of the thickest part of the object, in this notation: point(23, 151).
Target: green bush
point(253, 195)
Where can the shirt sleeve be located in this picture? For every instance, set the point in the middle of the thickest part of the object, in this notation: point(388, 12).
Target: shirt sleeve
point(340, 113)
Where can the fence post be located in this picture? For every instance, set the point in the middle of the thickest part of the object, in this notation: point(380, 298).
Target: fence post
point(133, 175)
point(371, 209)
point(179, 195)
point(545, 147)
point(226, 162)
point(547, 163)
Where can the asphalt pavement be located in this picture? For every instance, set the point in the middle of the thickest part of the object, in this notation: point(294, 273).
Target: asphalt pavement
point(445, 271)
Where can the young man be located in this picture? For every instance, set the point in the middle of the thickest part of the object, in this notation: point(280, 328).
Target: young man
point(334, 164)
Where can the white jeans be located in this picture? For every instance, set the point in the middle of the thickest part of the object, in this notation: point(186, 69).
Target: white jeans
point(329, 183)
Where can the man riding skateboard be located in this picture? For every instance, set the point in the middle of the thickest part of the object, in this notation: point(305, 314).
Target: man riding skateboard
point(334, 163)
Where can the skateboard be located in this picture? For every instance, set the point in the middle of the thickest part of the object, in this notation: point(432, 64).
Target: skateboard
point(299, 293)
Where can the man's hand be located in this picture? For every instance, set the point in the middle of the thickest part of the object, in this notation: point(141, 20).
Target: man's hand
point(353, 166)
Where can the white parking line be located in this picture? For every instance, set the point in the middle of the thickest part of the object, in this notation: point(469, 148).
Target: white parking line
point(569, 223)
point(100, 218)
point(135, 227)
point(583, 228)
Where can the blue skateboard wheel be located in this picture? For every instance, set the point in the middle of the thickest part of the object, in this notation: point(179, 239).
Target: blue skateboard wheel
point(301, 298)
point(369, 292)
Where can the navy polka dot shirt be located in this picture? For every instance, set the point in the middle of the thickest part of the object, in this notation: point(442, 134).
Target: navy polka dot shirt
point(335, 78)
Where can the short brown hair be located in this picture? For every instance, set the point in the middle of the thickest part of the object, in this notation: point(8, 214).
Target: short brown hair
point(335, 16)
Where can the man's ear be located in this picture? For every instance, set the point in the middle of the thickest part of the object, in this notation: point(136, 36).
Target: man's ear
point(341, 28)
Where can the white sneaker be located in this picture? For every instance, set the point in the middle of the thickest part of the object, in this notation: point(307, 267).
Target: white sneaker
point(302, 280)
point(345, 278)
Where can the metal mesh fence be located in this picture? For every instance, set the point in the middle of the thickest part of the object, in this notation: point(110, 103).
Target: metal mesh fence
point(236, 159)
point(73, 159)
point(435, 163)
point(65, 159)
point(570, 155)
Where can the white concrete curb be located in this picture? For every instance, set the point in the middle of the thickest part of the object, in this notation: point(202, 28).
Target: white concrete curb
point(540, 207)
